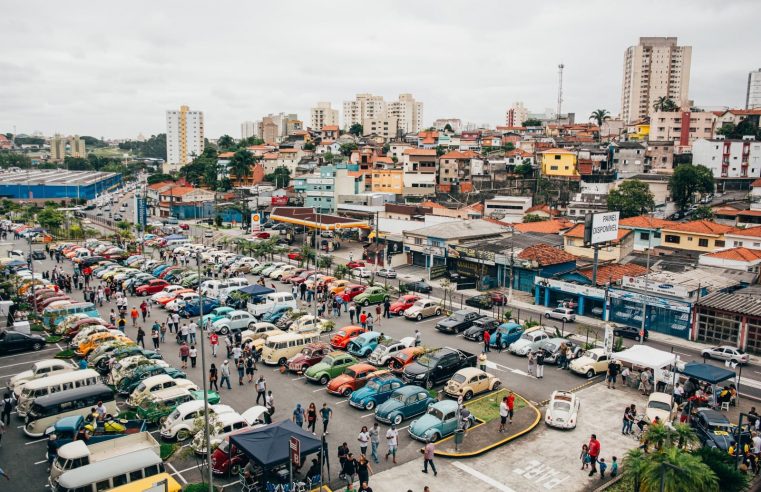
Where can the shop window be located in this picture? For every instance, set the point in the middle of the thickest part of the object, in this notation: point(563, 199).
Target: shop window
point(717, 327)
point(703, 243)
point(672, 239)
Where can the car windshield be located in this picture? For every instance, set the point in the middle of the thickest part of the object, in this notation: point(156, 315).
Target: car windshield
point(328, 360)
point(436, 413)
point(527, 336)
point(658, 405)
point(140, 388)
point(373, 385)
point(424, 360)
point(562, 406)
point(420, 304)
point(457, 317)
point(720, 426)
point(458, 378)
point(223, 446)
point(174, 415)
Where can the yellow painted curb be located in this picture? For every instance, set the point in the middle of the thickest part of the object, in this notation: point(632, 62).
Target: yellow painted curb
point(498, 443)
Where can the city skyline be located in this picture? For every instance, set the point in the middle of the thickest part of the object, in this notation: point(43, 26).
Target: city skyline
point(116, 76)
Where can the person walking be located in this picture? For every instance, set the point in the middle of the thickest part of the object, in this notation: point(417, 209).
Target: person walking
point(387, 308)
point(349, 469)
point(176, 321)
point(503, 414)
point(363, 319)
point(531, 362)
point(364, 439)
point(214, 342)
point(134, 315)
point(270, 403)
point(193, 353)
point(540, 364)
point(144, 310)
point(261, 390)
point(140, 336)
point(482, 361)
point(184, 333)
point(378, 316)
point(613, 369)
point(184, 353)
point(225, 371)
point(8, 403)
point(298, 415)
point(192, 329)
point(487, 339)
point(352, 312)
point(392, 440)
point(250, 367)
point(240, 364)
point(594, 453)
point(374, 441)
point(155, 336)
point(418, 338)
point(312, 417)
point(326, 413)
point(213, 377)
point(363, 470)
point(428, 452)
point(510, 406)
point(162, 330)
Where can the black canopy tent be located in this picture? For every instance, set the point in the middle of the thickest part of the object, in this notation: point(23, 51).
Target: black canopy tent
point(711, 374)
point(268, 446)
point(255, 290)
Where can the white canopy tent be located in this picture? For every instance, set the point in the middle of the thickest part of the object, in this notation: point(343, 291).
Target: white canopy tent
point(644, 356)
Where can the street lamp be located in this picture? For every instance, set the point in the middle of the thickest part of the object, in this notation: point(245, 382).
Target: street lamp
point(203, 376)
point(429, 253)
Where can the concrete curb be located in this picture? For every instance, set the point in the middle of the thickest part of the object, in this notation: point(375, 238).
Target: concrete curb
point(588, 383)
point(497, 444)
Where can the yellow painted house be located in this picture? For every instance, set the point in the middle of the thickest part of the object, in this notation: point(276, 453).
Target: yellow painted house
point(703, 236)
point(387, 180)
point(559, 163)
point(641, 131)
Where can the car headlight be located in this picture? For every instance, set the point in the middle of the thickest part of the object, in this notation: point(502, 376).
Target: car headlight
point(420, 376)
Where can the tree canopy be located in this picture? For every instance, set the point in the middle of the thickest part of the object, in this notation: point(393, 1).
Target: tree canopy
point(663, 103)
point(600, 116)
point(240, 164)
point(745, 128)
point(532, 122)
point(448, 128)
point(226, 142)
point(10, 159)
point(631, 198)
point(356, 129)
point(687, 180)
point(154, 147)
point(203, 169)
point(348, 148)
point(280, 177)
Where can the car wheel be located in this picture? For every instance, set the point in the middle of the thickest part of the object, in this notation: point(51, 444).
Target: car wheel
point(36, 346)
point(468, 395)
point(497, 385)
point(346, 392)
point(366, 302)
point(504, 346)
point(428, 384)
point(590, 374)
point(480, 338)
point(369, 405)
point(224, 330)
point(183, 435)
point(324, 379)
point(565, 320)
point(547, 315)
point(438, 312)
point(234, 470)
point(435, 437)
point(419, 317)
point(398, 419)
point(706, 355)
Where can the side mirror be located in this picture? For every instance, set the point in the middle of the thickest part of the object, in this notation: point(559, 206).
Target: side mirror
point(439, 367)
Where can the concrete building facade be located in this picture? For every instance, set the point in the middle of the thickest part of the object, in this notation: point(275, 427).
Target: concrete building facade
point(247, 129)
point(682, 127)
point(516, 115)
point(753, 94)
point(322, 115)
point(729, 158)
point(656, 67)
point(184, 137)
point(363, 107)
point(408, 113)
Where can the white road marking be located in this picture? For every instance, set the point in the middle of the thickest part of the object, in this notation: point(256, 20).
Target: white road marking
point(484, 478)
point(342, 401)
point(35, 442)
point(179, 475)
point(17, 364)
point(16, 355)
point(40, 462)
point(296, 379)
point(319, 389)
point(750, 382)
point(518, 371)
point(368, 415)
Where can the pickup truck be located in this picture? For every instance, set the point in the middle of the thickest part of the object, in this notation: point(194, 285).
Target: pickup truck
point(437, 366)
point(458, 321)
point(77, 453)
point(67, 429)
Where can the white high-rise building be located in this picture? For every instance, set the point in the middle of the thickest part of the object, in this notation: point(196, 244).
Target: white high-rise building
point(655, 68)
point(184, 137)
point(247, 129)
point(516, 114)
point(753, 97)
point(323, 115)
point(365, 107)
point(408, 112)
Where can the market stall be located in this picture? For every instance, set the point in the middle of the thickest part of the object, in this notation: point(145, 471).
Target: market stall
point(644, 357)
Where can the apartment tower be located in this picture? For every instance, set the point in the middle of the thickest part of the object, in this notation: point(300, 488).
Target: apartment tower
point(753, 96)
point(655, 68)
point(323, 115)
point(184, 137)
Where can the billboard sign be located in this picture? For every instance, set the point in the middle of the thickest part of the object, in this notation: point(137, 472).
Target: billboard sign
point(295, 447)
point(256, 224)
point(141, 211)
point(601, 228)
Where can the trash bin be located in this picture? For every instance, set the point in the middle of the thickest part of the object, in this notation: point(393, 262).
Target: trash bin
point(459, 437)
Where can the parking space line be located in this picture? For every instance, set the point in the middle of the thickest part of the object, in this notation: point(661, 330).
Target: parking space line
point(484, 478)
point(367, 415)
point(296, 379)
point(318, 389)
point(40, 462)
point(342, 401)
point(179, 475)
point(34, 442)
point(229, 484)
point(17, 364)
point(16, 355)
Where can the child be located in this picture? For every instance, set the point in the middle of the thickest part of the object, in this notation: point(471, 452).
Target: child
point(584, 457)
point(614, 468)
point(603, 466)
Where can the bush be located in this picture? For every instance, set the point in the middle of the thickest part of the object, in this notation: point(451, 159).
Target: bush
point(65, 354)
point(167, 450)
point(53, 339)
point(38, 327)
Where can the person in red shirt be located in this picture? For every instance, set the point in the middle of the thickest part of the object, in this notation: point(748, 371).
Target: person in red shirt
point(134, 316)
point(214, 341)
point(487, 338)
point(510, 405)
point(363, 319)
point(594, 452)
point(184, 352)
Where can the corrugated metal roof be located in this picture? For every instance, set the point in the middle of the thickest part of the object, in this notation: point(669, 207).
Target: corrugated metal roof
point(738, 303)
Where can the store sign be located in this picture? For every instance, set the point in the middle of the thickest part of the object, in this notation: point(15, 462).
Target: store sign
point(569, 288)
point(651, 285)
point(472, 254)
point(658, 302)
point(601, 228)
point(279, 200)
point(256, 224)
point(295, 447)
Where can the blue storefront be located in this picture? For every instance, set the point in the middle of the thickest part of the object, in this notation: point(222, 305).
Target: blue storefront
point(77, 189)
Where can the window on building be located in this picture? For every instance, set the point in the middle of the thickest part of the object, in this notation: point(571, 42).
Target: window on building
point(557, 157)
point(553, 168)
point(703, 243)
point(645, 236)
point(718, 243)
point(671, 239)
point(418, 240)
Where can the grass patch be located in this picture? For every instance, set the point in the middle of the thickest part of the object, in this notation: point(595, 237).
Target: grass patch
point(167, 450)
point(128, 415)
point(53, 339)
point(196, 487)
point(37, 327)
point(65, 354)
point(486, 409)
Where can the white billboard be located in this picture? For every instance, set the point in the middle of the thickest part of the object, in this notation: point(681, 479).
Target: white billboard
point(601, 228)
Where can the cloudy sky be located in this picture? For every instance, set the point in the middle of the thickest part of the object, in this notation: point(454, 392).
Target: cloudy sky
point(92, 68)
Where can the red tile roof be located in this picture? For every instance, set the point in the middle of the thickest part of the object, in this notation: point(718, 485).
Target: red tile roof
point(737, 254)
point(749, 213)
point(477, 207)
point(544, 227)
point(545, 255)
point(756, 183)
point(726, 211)
point(613, 272)
point(178, 191)
point(706, 227)
point(414, 151)
point(518, 153)
point(542, 208)
point(748, 231)
point(429, 203)
point(226, 155)
point(645, 222)
point(577, 231)
point(456, 154)
point(330, 128)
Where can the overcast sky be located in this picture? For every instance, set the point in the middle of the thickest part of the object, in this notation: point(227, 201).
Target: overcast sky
point(87, 68)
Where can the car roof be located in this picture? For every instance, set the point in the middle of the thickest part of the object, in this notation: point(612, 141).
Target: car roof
point(409, 389)
point(362, 366)
point(470, 371)
point(446, 405)
point(712, 416)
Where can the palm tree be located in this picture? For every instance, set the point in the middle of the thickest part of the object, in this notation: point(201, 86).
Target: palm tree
point(684, 435)
point(341, 271)
point(635, 465)
point(325, 261)
point(600, 116)
point(307, 254)
point(240, 164)
point(659, 435)
point(666, 104)
point(684, 472)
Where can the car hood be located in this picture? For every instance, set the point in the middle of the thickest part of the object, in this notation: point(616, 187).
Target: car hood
point(385, 408)
point(361, 394)
point(337, 381)
point(722, 441)
point(473, 330)
point(521, 343)
point(414, 369)
point(582, 361)
point(21, 376)
point(424, 423)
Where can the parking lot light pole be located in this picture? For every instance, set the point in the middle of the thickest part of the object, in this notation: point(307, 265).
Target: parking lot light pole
point(206, 439)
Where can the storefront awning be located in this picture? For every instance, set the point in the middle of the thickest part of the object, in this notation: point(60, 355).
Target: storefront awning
point(308, 217)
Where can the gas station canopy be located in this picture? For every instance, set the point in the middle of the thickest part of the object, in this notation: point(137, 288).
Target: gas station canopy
point(308, 217)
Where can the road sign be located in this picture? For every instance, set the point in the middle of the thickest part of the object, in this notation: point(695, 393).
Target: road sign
point(256, 223)
point(295, 447)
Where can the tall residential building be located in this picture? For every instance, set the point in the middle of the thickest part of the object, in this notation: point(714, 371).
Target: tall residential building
point(454, 123)
point(247, 129)
point(655, 68)
point(516, 114)
point(77, 147)
point(184, 137)
point(323, 115)
point(57, 148)
point(363, 107)
point(59, 145)
point(280, 120)
point(753, 96)
point(408, 112)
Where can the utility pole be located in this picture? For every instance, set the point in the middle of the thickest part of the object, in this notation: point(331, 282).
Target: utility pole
point(644, 296)
point(560, 90)
point(207, 441)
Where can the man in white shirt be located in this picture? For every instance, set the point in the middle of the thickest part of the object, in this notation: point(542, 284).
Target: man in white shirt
point(392, 439)
point(503, 413)
point(756, 443)
point(192, 327)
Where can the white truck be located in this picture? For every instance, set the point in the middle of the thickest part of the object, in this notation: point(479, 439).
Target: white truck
point(77, 453)
point(270, 302)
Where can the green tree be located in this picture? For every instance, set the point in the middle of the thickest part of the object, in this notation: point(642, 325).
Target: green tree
point(746, 127)
point(703, 212)
point(533, 218)
point(159, 177)
point(341, 271)
point(328, 157)
point(93, 143)
point(348, 148)
point(687, 180)
point(307, 254)
point(725, 468)
point(124, 225)
point(665, 104)
point(250, 141)
point(600, 116)
point(309, 146)
point(524, 169)
point(50, 218)
point(448, 128)
point(356, 129)
point(281, 176)
point(508, 147)
point(226, 142)
point(154, 147)
point(325, 261)
point(532, 122)
point(631, 198)
point(688, 473)
point(76, 164)
point(9, 159)
point(440, 150)
point(240, 164)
